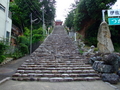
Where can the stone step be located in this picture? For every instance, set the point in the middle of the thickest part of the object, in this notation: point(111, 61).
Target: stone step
point(56, 79)
point(57, 68)
point(55, 75)
point(59, 61)
point(53, 64)
point(55, 71)
point(59, 64)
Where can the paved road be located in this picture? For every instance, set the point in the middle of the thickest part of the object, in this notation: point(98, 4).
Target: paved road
point(9, 69)
point(94, 85)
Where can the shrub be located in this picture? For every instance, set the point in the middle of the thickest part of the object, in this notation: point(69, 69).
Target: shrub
point(81, 51)
point(23, 39)
point(24, 49)
point(17, 54)
point(2, 50)
point(2, 58)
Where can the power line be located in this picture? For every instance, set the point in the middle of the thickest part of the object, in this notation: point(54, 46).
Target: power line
point(38, 6)
point(30, 4)
point(33, 11)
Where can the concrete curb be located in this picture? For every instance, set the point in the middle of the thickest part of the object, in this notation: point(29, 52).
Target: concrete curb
point(112, 86)
point(7, 60)
point(5, 79)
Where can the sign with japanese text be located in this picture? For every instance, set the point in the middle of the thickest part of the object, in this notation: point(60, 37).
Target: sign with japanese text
point(114, 21)
point(113, 12)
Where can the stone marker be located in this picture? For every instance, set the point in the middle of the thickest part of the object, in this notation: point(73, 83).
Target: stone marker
point(104, 39)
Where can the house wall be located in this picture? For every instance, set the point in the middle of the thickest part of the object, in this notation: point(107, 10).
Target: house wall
point(5, 21)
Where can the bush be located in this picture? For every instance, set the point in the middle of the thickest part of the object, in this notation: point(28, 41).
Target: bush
point(2, 58)
point(117, 47)
point(17, 54)
point(91, 41)
point(23, 39)
point(81, 51)
point(23, 49)
point(2, 50)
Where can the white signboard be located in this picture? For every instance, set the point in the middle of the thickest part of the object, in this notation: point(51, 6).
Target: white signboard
point(112, 13)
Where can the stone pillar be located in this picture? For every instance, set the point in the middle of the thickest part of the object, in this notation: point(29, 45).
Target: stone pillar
point(105, 44)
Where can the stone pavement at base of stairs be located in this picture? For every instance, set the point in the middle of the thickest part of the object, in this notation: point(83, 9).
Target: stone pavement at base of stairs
point(82, 85)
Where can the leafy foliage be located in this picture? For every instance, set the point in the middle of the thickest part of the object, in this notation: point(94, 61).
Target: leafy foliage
point(37, 35)
point(69, 19)
point(22, 10)
point(23, 48)
point(2, 50)
point(115, 35)
point(91, 34)
point(23, 40)
point(90, 10)
point(17, 54)
point(87, 18)
point(49, 11)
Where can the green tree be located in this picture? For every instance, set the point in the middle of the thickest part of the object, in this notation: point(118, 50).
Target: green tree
point(21, 16)
point(49, 11)
point(69, 20)
point(22, 10)
point(88, 12)
point(16, 15)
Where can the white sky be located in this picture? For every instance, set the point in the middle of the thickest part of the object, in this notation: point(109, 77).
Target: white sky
point(62, 8)
point(117, 5)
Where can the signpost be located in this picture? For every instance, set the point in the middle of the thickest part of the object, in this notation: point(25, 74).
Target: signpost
point(114, 21)
point(112, 13)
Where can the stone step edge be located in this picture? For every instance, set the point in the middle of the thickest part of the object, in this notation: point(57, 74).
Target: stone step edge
point(54, 75)
point(53, 64)
point(57, 79)
point(55, 71)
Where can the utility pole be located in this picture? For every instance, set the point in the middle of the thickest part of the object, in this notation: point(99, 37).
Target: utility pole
point(31, 32)
point(44, 29)
point(103, 15)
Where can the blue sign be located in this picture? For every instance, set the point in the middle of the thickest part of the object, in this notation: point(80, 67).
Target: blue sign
point(114, 21)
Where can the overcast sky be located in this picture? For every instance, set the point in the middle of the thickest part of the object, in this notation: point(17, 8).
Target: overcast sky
point(62, 8)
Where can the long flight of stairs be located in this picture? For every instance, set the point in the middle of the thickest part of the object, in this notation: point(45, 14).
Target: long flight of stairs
point(57, 59)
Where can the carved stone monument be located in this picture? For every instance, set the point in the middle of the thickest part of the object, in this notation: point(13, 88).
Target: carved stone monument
point(105, 44)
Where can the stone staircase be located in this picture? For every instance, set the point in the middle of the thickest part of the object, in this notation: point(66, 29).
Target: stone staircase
point(57, 59)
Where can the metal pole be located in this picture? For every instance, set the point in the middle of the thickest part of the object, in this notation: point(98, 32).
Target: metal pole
point(75, 36)
point(103, 15)
point(31, 35)
point(43, 21)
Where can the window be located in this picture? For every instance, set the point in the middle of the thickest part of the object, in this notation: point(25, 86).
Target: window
point(2, 8)
point(7, 36)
